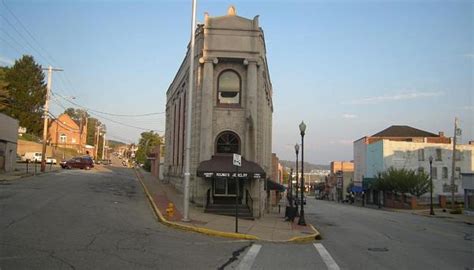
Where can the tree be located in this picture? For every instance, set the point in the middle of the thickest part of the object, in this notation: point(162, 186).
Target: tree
point(92, 124)
point(77, 115)
point(148, 140)
point(421, 184)
point(402, 181)
point(27, 93)
point(3, 89)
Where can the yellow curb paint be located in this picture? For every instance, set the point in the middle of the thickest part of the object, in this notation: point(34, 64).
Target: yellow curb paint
point(162, 219)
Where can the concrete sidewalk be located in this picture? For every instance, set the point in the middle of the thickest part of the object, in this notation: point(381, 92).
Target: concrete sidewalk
point(271, 227)
point(20, 171)
point(439, 214)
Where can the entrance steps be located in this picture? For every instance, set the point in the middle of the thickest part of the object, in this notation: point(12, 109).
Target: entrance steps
point(229, 210)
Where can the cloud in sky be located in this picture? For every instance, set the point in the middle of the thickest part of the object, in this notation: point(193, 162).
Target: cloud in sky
point(468, 108)
point(469, 55)
point(397, 97)
point(349, 116)
point(5, 60)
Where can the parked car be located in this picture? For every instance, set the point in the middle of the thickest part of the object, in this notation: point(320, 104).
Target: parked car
point(51, 160)
point(84, 162)
point(32, 157)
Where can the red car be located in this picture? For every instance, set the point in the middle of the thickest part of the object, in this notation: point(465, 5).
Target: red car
point(85, 162)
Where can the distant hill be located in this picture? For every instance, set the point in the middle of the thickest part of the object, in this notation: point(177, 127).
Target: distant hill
point(113, 144)
point(307, 166)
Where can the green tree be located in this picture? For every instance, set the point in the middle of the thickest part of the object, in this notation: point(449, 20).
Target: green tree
point(92, 124)
point(402, 181)
point(3, 89)
point(77, 115)
point(27, 93)
point(421, 184)
point(148, 140)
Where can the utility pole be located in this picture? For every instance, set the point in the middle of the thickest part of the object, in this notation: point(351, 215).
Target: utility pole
point(103, 146)
point(81, 130)
point(97, 134)
point(187, 158)
point(453, 161)
point(45, 116)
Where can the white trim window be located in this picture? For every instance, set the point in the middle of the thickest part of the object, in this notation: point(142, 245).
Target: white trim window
point(63, 138)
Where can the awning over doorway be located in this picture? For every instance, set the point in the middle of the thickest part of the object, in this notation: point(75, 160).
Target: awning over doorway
point(222, 166)
point(272, 185)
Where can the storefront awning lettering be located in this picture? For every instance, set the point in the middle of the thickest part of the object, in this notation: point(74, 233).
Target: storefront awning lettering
point(222, 166)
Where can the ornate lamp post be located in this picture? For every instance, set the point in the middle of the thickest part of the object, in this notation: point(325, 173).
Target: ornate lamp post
point(301, 221)
point(290, 188)
point(431, 187)
point(297, 149)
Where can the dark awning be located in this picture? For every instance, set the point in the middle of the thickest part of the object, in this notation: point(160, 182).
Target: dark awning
point(272, 185)
point(222, 166)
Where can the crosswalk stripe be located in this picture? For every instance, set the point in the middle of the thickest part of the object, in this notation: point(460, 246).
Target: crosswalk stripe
point(328, 260)
point(249, 258)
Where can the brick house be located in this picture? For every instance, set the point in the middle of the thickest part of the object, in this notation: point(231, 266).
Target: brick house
point(65, 132)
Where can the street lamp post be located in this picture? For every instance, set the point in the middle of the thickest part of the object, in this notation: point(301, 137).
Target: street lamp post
point(290, 188)
point(431, 187)
point(301, 221)
point(297, 149)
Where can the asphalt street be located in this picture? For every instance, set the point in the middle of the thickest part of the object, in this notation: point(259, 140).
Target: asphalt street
point(100, 219)
point(97, 219)
point(364, 238)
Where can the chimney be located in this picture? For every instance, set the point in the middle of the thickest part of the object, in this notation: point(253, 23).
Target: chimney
point(441, 134)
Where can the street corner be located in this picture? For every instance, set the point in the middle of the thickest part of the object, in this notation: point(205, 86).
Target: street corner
point(311, 234)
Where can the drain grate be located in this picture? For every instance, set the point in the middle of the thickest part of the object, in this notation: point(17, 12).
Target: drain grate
point(378, 249)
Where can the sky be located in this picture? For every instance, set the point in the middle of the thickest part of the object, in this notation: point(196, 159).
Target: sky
point(347, 68)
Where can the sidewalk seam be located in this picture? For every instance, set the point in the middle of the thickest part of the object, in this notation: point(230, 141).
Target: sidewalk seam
point(298, 239)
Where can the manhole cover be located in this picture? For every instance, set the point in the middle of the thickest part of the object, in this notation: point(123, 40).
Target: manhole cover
point(378, 249)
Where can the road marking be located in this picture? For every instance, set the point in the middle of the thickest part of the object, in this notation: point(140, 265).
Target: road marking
point(249, 258)
point(328, 260)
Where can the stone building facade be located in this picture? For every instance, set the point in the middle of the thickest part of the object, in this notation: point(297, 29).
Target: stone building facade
point(232, 110)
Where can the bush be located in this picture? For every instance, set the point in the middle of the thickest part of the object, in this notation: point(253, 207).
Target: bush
point(403, 181)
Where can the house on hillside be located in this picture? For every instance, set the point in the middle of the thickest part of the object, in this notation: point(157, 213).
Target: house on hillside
point(64, 132)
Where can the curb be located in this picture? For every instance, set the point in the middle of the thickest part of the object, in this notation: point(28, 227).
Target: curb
point(162, 219)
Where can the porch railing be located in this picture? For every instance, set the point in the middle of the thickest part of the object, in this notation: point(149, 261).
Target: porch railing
point(249, 201)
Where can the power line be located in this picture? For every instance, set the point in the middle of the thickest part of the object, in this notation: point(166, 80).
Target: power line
point(111, 114)
point(115, 121)
point(9, 44)
point(26, 30)
point(26, 40)
point(14, 40)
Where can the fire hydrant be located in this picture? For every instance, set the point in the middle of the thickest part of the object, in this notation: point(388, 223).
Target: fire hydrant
point(170, 210)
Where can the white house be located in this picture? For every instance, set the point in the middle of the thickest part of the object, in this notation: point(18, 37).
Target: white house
point(410, 148)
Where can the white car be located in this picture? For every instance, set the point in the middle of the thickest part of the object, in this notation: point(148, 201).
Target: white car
point(51, 160)
point(32, 157)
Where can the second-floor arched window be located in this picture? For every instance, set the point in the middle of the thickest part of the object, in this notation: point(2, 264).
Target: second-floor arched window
point(228, 88)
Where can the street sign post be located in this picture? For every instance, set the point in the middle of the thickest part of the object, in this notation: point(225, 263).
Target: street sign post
point(237, 161)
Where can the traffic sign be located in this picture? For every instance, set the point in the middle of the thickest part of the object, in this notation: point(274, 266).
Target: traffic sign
point(237, 160)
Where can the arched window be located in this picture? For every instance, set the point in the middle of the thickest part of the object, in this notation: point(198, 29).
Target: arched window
point(62, 138)
point(227, 143)
point(228, 88)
